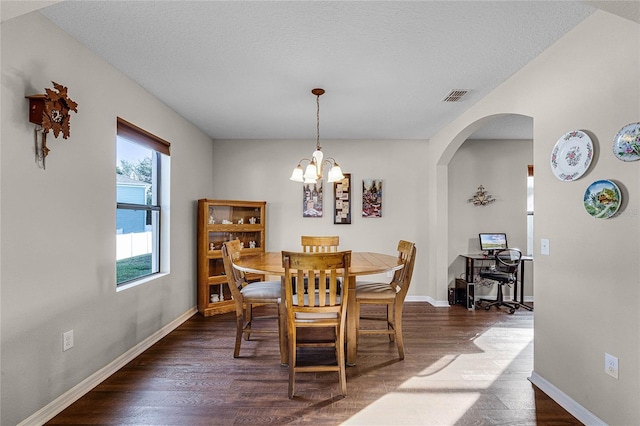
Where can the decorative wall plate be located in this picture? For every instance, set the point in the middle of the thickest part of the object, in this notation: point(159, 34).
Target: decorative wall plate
point(571, 156)
point(602, 199)
point(626, 144)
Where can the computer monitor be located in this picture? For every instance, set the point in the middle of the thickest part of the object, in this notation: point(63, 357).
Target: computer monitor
point(491, 242)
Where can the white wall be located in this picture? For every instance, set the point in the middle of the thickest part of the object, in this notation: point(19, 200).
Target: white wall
point(586, 290)
point(58, 225)
point(262, 172)
point(501, 167)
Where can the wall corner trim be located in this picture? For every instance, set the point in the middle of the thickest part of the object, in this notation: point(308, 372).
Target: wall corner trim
point(566, 402)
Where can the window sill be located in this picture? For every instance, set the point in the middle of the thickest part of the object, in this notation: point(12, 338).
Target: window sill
point(141, 281)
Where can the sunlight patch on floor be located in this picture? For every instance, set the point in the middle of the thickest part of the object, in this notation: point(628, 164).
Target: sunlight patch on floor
point(445, 390)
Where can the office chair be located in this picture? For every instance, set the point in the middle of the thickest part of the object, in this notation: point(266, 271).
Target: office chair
point(504, 272)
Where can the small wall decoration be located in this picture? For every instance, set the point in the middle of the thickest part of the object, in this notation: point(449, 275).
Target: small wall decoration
point(626, 144)
point(481, 197)
point(371, 197)
point(571, 155)
point(342, 201)
point(51, 112)
point(602, 199)
point(312, 199)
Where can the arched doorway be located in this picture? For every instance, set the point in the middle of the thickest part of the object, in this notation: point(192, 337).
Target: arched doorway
point(443, 148)
point(495, 158)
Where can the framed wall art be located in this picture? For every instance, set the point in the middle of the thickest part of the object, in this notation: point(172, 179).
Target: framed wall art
point(312, 199)
point(342, 201)
point(371, 197)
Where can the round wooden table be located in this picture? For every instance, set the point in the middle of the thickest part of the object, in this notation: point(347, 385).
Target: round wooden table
point(362, 263)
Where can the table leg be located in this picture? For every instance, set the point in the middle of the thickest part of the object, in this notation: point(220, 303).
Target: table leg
point(352, 333)
point(522, 288)
point(520, 274)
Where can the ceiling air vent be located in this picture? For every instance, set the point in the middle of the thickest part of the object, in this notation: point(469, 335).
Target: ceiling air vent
point(455, 95)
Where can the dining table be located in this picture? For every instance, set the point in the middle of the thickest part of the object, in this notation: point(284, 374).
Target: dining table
point(362, 263)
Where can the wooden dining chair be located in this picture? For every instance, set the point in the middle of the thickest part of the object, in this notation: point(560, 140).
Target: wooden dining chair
point(322, 307)
point(245, 294)
point(319, 244)
point(390, 294)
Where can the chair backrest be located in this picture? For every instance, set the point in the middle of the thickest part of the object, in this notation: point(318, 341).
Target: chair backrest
point(235, 278)
point(508, 260)
point(322, 295)
point(319, 244)
point(402, 277)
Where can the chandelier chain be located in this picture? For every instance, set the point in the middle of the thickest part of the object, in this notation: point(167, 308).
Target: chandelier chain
point(318, 122)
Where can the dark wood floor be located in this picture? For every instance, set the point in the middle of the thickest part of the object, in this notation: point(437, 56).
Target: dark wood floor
point(461, 368)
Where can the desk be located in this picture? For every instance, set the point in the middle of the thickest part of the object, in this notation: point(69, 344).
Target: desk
point(362, 263)
point(469, 273)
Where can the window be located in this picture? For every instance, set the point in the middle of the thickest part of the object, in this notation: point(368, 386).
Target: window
point(530, 210)
point(142, 161)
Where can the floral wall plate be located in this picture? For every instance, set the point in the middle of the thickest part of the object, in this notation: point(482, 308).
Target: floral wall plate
point(571, 155)
point(602, 199)
point(626, 144)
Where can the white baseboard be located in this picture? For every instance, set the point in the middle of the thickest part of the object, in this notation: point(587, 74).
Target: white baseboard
point(428, 299)
point(56, 406)
point(575, 409)
point(445, 303)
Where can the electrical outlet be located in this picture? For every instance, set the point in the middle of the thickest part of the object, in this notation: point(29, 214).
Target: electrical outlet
point(67, 340)
point(611, 365)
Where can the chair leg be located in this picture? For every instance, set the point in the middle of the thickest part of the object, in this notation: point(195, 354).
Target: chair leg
point(292, 361)
point(341, 360)
point(239, 333)
point(248, 317)
point(397, 326)
point(511, 305)
point(282, 334)
point(500, 301)
point(357, 322)
point(390, 322)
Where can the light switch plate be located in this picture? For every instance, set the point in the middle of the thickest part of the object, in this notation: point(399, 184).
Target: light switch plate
point(544, 246)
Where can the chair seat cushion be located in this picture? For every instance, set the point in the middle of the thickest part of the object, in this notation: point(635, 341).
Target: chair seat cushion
point(498, 276)
point(262, 289)
point(368, 290)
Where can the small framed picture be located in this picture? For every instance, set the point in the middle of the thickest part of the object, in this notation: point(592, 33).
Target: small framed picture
point(342, 201)
point(371, 197)
point(312, 199)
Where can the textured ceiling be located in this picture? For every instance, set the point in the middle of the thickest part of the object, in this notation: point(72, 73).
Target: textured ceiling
point(245, 70)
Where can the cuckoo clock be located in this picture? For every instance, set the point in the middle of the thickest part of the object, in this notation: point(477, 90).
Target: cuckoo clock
point(50, 112)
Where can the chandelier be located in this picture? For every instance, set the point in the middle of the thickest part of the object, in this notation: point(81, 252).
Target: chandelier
point(314, 169)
